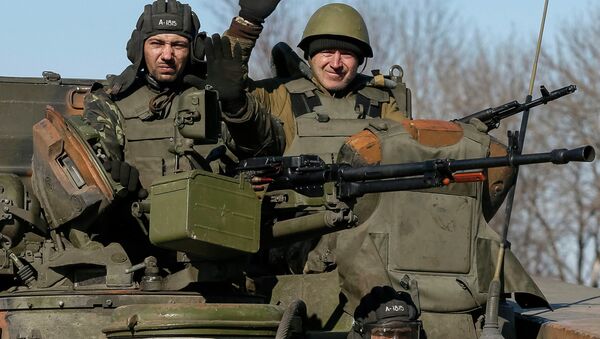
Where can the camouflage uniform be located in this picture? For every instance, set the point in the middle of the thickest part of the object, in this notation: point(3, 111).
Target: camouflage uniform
point(147, 138)
point(104, 115)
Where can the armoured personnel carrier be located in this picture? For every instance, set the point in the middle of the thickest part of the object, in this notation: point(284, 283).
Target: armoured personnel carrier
point(198, 259)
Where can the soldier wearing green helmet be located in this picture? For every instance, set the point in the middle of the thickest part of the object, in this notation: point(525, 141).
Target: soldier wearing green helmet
point(434, 244)
point(293, 114)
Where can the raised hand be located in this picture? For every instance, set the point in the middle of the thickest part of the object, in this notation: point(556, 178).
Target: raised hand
point(256, 11)
point(225, 72)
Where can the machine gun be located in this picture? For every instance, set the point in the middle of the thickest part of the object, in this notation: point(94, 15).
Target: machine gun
point(324, 194)
point(308, 173)
point(492, 116)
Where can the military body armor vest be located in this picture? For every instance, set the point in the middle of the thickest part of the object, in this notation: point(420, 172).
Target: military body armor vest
point(437, 237)
point(323, 122)
point(153, 144)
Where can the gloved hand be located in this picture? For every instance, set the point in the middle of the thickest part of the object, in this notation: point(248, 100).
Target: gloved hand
point(256, 11)
point(225, 72)
point(127, 175)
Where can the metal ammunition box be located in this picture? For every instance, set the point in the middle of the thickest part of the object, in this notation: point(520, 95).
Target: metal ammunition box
point(206, 215)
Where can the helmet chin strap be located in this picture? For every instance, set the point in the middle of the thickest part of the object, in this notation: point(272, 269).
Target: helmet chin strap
point(364, 65)
point(160, 86)
point(152, 82)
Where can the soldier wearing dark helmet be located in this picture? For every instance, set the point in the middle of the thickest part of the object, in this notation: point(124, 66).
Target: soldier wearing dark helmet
point(335, 43)
point(386, 313)
point(138, 109)
point(156, 118)
point(141, 98)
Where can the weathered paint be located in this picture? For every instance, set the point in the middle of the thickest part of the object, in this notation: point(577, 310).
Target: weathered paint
point(576, 312)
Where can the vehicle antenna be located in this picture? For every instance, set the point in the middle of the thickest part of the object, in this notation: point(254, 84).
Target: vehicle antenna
point(516, 141)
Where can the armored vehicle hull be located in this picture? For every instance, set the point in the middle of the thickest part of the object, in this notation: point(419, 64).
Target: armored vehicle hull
point(80, 285)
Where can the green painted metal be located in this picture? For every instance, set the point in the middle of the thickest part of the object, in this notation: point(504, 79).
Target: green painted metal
point(192, 320)
point(207, 215)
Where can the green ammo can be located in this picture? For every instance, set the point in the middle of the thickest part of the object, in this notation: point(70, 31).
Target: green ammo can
point(207, 215)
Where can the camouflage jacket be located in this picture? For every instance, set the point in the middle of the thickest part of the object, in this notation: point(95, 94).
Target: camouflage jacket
point(101, 111)
point(104, 115)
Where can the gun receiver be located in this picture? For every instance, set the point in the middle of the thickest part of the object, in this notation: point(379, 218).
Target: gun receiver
point(309, 171)
point(493, 115)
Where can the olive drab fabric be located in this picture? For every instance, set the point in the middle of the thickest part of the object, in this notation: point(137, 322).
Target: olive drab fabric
point(323, 127)
point(152, 143)
point(149, 141)
point(120, 111)
point(311, 118)
point(437, 237)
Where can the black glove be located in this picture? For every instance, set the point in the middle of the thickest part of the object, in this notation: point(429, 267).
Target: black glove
point(126, 175)
point(225, 72)
point(256, 11)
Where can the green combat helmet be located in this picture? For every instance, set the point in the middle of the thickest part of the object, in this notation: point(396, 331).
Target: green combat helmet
point(336, 25)
point(386, 313)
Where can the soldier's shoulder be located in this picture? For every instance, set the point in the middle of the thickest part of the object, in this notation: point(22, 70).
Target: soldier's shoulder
point(99, 90)
point(269, 84)
point(378, 81)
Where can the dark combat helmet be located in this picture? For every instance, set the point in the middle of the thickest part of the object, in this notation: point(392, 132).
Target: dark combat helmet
point(386, 313)
point(162, 16)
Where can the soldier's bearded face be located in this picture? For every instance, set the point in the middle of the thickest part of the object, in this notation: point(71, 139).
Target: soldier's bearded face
point(334, 69)
point(166, 56)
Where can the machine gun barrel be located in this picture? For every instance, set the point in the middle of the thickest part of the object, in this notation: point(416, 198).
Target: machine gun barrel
point(356, 182)
point(493, 115)
point(309, 170)
point(557, 156)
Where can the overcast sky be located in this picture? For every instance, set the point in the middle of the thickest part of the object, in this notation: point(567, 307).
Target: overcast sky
point(86, 39)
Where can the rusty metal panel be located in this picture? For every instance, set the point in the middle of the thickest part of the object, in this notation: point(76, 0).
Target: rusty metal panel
point(22, 104)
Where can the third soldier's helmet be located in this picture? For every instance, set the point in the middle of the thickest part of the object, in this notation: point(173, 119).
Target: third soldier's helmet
point(386, 313)
point(336, 25)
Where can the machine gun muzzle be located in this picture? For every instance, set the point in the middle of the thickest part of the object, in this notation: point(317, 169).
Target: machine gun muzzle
point(557, 156)
point(563, 156)
point(358, 181)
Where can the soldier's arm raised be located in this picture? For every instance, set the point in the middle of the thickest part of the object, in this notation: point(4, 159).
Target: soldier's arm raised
point(253, 129)
point(247, 26)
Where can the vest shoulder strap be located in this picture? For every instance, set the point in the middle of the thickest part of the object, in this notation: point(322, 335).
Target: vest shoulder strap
point(300, 85)
point(369, 100)
point(136, 105)
point(303, 96)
